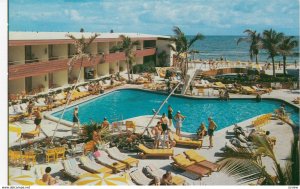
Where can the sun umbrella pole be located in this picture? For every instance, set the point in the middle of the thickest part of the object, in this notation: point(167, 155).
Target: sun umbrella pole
point(69, 97)
point(21, 153)
point(156, 113)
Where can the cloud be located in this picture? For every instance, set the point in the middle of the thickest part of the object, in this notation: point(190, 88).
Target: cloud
point(74, 15)
point(158, 17)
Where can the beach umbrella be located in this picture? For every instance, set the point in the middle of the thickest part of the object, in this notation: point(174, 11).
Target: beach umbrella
point(102, 179)
point(25, 179)
point(14, 133)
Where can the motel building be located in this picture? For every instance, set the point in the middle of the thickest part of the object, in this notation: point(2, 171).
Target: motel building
point(38, 61)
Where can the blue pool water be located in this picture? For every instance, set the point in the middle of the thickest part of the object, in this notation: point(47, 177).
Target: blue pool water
point(131, 103)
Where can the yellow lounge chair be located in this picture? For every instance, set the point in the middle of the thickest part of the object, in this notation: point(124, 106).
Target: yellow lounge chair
point(130, 125)
point(200, 160)
point(31, 134)
point(220, 85)
point(248, 90)
point(180, 161)
point(187, 141)
point(147, 152)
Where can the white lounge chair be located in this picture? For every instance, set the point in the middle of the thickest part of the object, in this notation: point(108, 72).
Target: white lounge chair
point(71, 168)
point(92, 166)
point(104, 159)
point(139, 178)
point(152, 171)
point(116, 154)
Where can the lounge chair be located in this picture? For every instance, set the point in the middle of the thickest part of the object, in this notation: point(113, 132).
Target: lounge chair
point(116, 154)
point(31, 134)
point(130, 125)
point(71, 169)
point(219, 85)
point(248, 90)
point(180, 161)
point(296, 100)
point(187, 141)
point(200, 160)
point(13, 115)
point(92, 166)
point(77, 149)
point(104, 159)
point(139, 178)
point(147, 152)
point(153, 172)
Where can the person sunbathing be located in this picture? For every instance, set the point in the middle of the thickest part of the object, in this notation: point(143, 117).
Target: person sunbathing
point(47, 178)
point(166, 178)
point(238, 130)
point(202, 131)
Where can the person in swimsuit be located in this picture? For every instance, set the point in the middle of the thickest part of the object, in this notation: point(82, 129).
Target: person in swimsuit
point(170, 114)
point(166, 178)
point(38, 120)
point(156, 131)
point(212, 126)
point(202, 131)
point(75, 118)
point(105, 123)
point(164, 122)
point(178, 119)
point(29, 109)
point(47, 178)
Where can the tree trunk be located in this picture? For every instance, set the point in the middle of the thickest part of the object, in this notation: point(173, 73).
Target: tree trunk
point(273, 63)
point(284, 65)
point(256, 59)
point(128, 70)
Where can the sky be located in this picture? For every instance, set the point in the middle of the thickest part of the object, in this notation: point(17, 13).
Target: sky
point(208, 17)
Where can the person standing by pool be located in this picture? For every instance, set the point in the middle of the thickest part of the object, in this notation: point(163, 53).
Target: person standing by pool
point(29, 109)
point(164, 122)
point(170, 115)
point(178, 119)
point(38, 120)
point(191, 87)
point(212, 126)
point(156, 131)
point(105, 123)
point(75, 118)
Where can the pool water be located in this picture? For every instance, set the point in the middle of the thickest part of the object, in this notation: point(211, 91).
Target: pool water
point(124, 104)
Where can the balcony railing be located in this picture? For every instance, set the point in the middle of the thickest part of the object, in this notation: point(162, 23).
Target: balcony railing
point(46, 66)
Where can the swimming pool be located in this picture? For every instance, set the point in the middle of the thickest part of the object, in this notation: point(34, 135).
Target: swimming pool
point(129, 103)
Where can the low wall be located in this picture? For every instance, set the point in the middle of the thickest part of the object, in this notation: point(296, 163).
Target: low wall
point(224, 71)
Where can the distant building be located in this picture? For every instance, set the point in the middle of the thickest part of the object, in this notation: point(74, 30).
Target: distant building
point(39, 59)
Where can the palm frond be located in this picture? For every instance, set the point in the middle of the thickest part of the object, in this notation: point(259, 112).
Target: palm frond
point(199, 36)
point(243, 39)
point(177, 31)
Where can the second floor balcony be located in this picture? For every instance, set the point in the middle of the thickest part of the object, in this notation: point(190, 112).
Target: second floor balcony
point(39, 67)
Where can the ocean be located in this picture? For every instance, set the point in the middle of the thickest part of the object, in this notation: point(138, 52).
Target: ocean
point(215, 47)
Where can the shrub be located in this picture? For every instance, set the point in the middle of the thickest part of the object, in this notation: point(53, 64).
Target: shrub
point(146, 67)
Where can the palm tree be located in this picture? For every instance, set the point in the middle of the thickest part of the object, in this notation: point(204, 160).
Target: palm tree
point(245, 164)
point(286, 48)
point(81, 47)
point(182, 47)
point(271, 40)
point(127, 46)
point(162, 58)
point(255, 43)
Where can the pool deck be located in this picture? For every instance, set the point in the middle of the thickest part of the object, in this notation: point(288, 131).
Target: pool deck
point(283, 133)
